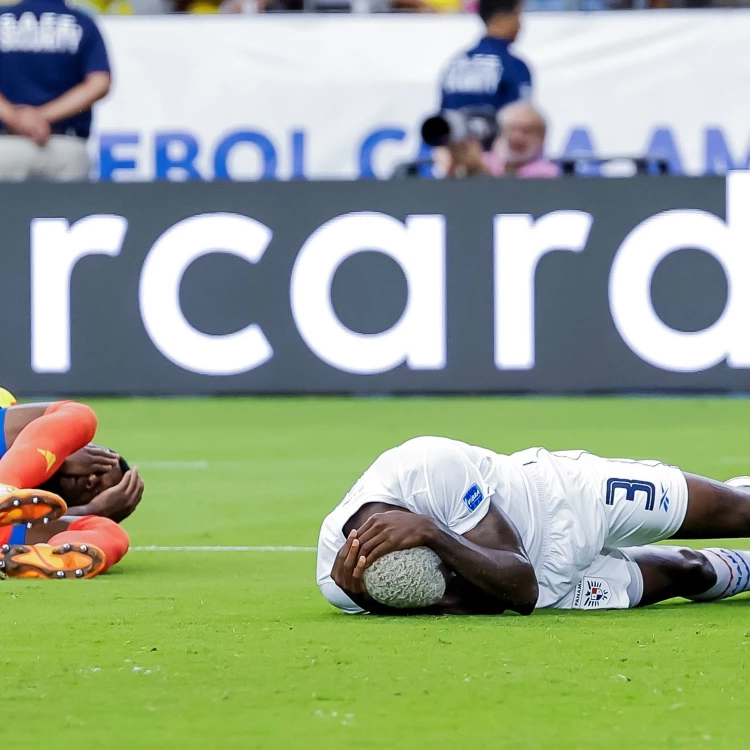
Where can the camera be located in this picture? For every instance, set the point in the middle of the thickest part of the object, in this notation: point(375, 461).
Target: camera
point(453, 126)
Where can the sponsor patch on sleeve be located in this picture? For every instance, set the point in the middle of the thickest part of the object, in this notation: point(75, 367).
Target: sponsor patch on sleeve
point(473, 496)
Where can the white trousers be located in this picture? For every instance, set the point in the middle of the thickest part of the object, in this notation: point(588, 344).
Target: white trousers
point(63, 159)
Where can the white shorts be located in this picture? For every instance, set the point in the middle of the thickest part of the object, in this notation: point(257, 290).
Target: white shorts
point(592, 509)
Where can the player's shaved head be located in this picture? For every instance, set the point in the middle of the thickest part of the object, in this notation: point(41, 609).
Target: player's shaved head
point(407, 579)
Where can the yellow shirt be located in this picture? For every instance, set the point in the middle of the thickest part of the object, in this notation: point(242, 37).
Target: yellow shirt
point(203, 6)
point(446, 6)
point(103, 7)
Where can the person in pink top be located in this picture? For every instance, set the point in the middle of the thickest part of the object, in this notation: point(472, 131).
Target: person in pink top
point(519, 149)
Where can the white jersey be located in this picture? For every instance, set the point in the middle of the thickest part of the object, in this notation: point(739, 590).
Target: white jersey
point(447, 480)
point(572, 509)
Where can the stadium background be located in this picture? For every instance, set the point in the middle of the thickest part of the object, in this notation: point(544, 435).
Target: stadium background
point(344, 96)
point(212, 630)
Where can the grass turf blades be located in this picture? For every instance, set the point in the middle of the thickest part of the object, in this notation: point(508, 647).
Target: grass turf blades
point(238, 649)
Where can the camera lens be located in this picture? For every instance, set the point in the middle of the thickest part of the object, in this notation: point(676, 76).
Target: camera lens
point(436, 131)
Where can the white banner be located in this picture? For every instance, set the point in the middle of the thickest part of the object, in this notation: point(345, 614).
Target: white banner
point(343, 96)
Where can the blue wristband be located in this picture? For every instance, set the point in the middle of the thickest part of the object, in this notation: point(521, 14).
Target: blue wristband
point(3, 446)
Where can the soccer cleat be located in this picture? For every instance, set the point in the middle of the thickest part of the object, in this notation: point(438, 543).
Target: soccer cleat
point(45, 561)
point(30, 507)
point(742, 482)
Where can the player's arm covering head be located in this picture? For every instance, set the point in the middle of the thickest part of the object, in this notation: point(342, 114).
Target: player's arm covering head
point(407, 579)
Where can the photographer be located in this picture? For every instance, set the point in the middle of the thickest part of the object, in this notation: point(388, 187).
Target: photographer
point(474, 141)
point(489, 74)
point(459, 139)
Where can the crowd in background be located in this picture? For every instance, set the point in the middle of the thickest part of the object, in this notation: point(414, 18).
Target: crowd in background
point(54, 68)
point(142, 7)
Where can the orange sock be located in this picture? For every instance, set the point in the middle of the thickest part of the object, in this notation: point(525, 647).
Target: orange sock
point(42, 446)
point(101, 532)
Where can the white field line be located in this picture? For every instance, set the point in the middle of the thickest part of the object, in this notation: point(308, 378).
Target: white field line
point(175, 465)
point(243, 463)
point(218, 465)
point(222, 549)
point(202, 466)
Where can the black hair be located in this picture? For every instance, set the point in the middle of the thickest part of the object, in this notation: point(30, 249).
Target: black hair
point(52, 485)
point(488, 9)
point(124, 466)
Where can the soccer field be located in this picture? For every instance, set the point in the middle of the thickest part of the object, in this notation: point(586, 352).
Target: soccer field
point(217, 649)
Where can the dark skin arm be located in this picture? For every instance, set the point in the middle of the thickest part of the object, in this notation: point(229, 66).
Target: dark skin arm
point(493, 572)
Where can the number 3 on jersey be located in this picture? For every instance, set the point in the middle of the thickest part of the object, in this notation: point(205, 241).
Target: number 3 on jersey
point(632, 490)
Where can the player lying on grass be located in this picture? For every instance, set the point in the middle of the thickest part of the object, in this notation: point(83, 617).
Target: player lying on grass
point(44, 446)
point(484, 533)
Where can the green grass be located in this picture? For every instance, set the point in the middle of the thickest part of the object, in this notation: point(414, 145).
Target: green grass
point(238, 650)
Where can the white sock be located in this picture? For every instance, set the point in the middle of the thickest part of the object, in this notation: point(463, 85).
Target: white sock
point(732, 569)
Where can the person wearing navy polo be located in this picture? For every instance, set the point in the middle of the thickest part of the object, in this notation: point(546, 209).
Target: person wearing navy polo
point(53, 68)
point(489, 75)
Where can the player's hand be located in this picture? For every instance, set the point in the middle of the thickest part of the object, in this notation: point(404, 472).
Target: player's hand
point(92, 459)
point(349, 567)
point(388, 532)
point(119, 501)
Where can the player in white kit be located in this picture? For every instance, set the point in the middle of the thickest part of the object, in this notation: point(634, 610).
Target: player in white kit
point(535, 529)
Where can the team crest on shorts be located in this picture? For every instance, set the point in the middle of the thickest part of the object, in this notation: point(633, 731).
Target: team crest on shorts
point(591, 593)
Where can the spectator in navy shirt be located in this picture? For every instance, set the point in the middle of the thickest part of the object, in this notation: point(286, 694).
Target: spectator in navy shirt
point(489, 74)
point(53, 67)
